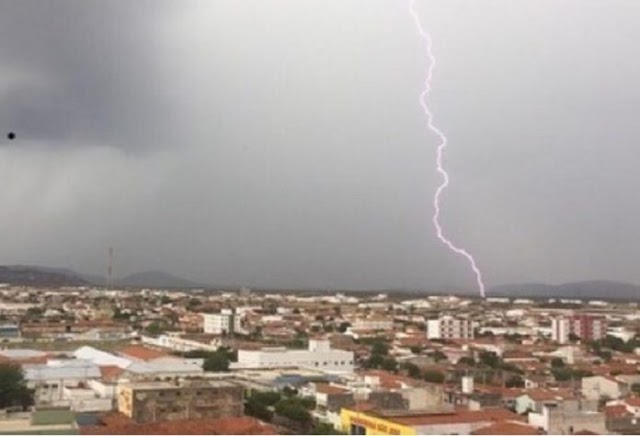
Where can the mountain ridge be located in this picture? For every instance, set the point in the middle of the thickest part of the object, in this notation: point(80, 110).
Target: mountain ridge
point(41, 276)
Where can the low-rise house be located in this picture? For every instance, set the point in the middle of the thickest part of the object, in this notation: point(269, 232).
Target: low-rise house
point(569, 417)
point(603, 386)
point(623, 416)
point(534, 400)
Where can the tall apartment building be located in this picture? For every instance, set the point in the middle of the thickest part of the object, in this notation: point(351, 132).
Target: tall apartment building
point(449, 327)
point(222, 323)
point(167, 401)
point(586, 327)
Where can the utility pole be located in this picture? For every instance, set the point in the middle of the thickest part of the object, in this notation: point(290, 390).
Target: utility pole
point(110, 269)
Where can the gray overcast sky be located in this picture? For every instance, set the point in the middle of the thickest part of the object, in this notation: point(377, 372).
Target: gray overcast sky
point(280, 143)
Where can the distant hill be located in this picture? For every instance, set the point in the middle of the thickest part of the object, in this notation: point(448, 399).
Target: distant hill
point(156, 279)
point(24, 275)
point(42, 276)
point(592, 290)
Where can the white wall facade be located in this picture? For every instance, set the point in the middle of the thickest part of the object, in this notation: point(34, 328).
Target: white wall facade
point(560, 329)
point(318, 356)
point(220, 323)
point(449, 327)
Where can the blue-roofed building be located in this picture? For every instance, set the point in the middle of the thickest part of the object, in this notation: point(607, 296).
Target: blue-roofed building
point(9, 331)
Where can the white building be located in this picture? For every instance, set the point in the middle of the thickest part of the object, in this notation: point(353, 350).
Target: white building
point(373, 323)
point(49, 380)
point(568, 418)
point(222, 323)
point(598, 386)
point(448, 327)
point(176, 343)
point(560, 329)
point(320, 356)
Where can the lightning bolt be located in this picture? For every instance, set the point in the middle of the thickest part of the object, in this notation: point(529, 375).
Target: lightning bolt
point(442, 144)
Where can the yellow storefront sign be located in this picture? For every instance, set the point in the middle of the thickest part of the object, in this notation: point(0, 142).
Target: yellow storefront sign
point(372, 424)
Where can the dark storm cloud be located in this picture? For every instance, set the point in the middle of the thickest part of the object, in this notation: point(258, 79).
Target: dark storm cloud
point(280, 143)
point(92, 68)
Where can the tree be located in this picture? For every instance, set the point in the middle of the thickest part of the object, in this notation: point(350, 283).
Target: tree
point(605, 355)
point(217, 362)
point(557, 362)
point(389, 364)
point(120, 315)
point(258, 404)
point(194, 303)
point(561, 374)
point(13, 387)
point(416, 349)
point(412, 370)
point(380, 347)
point(467, 361)
point(156, 328)
point(289, 391)
point(438, 356)
point(258, 410)
point(489, 358)
point(308, 402)
point(344, 326)
point(268, 398)
point(324, 428)
point(574, 338)
point(515, 381)
point(293, 409)
point(434, 376)
point(375, 361)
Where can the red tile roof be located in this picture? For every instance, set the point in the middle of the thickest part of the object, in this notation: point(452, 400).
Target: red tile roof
point(229, 426)
point(617, 411)
point(141, 352)
point(391, 381)
point(550, 395)
point(326, 388)
point(460, 416)
point(508, 427)
point(110, 373)
point(632, 401)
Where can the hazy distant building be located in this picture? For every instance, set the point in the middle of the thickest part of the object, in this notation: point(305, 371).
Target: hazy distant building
point(222, 323)
point(449, 327)
point(586, 327)
point(375, 323)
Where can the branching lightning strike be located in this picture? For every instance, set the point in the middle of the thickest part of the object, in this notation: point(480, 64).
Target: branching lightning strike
point(442, 144)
